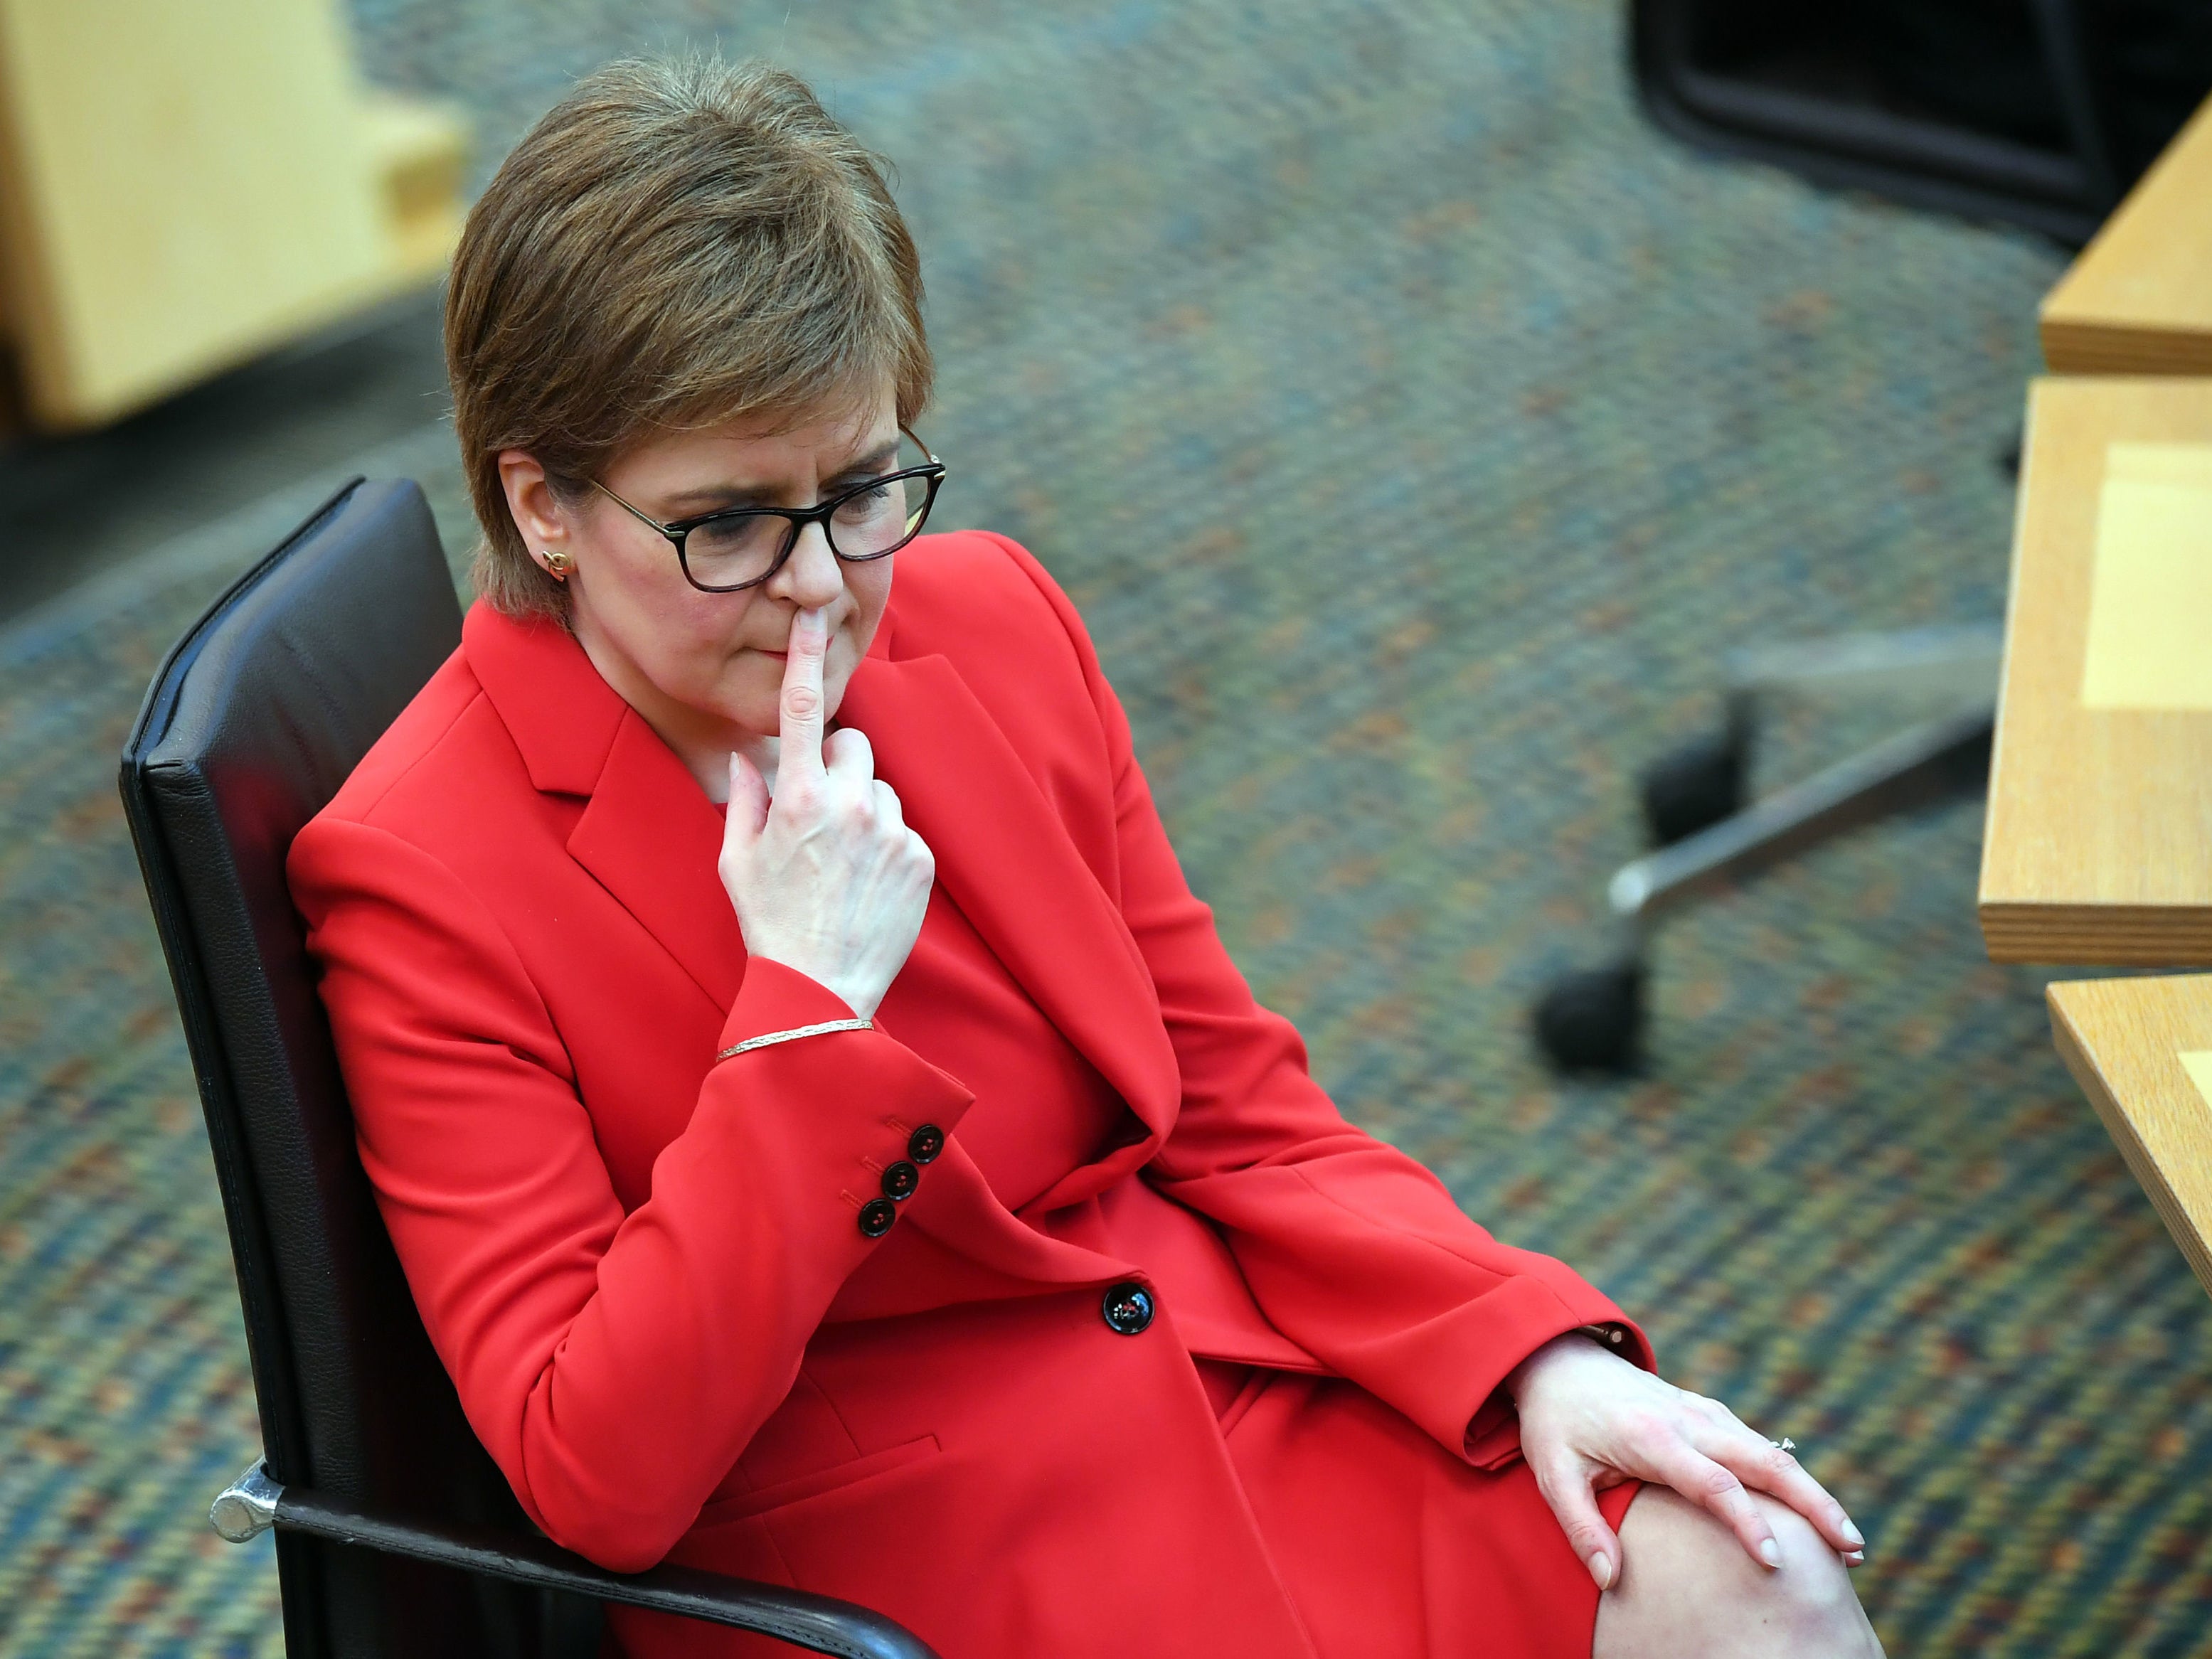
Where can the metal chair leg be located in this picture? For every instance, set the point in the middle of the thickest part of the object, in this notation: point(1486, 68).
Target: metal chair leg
point(1592, 1019)
point(1704, 780)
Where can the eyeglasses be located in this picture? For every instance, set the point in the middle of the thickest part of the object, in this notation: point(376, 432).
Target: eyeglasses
point(741, 547)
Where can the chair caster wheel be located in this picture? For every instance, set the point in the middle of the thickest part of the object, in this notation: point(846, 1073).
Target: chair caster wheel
point(1693, 787)
point(1591, 1019)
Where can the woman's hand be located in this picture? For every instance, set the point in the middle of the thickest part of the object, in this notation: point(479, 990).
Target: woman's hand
point(826, 878)
point(1589, 1419)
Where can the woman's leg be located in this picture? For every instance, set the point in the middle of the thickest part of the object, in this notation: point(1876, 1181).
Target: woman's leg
point(1688, 1591)
point(1390, 1547)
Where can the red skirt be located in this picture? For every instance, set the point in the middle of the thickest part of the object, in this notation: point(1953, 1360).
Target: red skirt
point(1391, 1549)
point(1387, 1546)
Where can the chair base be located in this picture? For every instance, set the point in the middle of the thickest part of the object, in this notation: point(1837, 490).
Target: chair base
point(1592, 1019)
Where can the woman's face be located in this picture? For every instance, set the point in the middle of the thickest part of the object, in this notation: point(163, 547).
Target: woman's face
point(705, 669)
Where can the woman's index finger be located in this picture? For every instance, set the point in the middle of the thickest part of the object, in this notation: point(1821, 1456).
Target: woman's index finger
point(799, 707)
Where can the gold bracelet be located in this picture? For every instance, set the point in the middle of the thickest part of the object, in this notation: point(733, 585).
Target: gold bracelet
point(823, 1029)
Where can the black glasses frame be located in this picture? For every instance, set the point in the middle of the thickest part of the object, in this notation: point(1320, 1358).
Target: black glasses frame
point(677, 532)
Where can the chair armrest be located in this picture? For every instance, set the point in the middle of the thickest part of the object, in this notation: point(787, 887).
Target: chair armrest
point(253, 1503)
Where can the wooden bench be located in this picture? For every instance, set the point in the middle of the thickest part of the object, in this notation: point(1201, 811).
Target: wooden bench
point(185, 185)
point(2142, 1050)
point(2139, 298)
point(2099, 843)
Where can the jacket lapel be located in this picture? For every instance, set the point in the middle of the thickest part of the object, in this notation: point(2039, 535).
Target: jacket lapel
point(651, 838)
point(1005, 859)
point(649, 835)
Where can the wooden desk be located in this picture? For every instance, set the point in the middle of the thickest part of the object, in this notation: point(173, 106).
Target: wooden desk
point(2142, 1050)
point(2139, 300)
point(183, 185)
point(2098, 841)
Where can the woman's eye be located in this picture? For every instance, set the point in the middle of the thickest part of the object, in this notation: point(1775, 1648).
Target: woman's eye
point(725, 536)
point(864, 503)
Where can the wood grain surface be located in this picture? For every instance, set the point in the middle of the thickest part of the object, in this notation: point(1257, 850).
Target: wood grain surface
point(2142, 1050)
point(183, 185)
point(2097, 845)
point(2139, 298)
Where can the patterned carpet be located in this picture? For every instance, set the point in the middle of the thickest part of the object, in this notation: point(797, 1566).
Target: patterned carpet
point(1417, 430)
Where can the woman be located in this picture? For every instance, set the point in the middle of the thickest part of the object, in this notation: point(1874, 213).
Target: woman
point(824, 1137)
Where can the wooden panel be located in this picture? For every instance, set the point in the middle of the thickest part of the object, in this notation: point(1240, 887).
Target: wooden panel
point(2142, 1050)
point(182, 185)
point(2099, 839)
point(2139, 298)
point(420, 154)
point(2151, 581)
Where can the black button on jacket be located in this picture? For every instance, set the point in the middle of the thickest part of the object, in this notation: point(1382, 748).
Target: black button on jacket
point(1128, 1307)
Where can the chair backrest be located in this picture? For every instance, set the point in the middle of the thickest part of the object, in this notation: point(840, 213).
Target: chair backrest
point(253, 722)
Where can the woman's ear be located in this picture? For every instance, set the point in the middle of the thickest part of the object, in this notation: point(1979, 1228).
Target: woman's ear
point(530, 500)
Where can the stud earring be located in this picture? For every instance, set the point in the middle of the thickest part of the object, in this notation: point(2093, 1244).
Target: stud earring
point(558, 564)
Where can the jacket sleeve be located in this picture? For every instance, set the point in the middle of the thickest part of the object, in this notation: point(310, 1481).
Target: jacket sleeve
point(614, 1364)
point(1352, 1249)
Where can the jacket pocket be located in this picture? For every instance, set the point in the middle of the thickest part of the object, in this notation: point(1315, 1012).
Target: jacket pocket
point(835, 1478)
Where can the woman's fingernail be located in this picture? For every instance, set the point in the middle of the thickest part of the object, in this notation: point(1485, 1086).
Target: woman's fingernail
point(1855, 1558)
point(1601, 1566)
point(1770, 1552)
point(1855, 1538)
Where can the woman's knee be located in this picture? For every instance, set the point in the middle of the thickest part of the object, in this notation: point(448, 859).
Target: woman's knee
point(1812, 1590)
point(1688, 1587)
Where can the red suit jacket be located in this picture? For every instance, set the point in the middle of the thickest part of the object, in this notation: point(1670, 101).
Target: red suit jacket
point(646, 1271)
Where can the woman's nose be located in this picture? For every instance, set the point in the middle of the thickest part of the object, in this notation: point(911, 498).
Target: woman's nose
point(811, 576)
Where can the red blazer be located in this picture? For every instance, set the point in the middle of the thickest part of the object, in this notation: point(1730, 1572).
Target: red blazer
point(646, 1270)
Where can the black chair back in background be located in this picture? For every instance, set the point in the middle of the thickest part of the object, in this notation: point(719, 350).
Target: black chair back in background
point(397, 1538)
point(2041, 113)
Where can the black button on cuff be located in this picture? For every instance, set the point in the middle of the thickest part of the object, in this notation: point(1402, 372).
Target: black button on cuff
point(900, 1180)
point(1128, 1307)
point(924, 1144)
point(877, 1216)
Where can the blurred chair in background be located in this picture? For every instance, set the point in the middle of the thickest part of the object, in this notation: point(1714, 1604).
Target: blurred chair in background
point(1708, 836)
point(2038, 111)
point(2041, 113)
point(397, 1538)
point(183, 185)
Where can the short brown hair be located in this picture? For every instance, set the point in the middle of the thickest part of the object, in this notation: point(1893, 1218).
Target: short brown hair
point(677, 243)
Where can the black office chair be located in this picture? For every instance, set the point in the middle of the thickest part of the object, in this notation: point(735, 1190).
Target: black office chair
point(397, 1537)
point(2041, 113)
